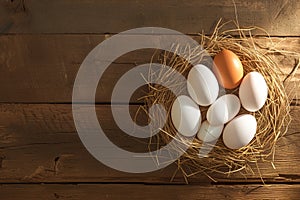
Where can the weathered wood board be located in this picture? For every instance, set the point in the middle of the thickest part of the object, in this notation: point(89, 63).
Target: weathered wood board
point(113, 16)
point(42, 68)
point(39, 143)
point(138, 191)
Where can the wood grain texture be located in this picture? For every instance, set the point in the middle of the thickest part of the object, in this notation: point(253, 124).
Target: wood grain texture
point(113, 16)
point(42, 45)
point(137, 191)
point(42, 68)
point(39, 143)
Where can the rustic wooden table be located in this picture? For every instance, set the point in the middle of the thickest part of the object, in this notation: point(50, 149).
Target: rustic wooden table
point(43, 43)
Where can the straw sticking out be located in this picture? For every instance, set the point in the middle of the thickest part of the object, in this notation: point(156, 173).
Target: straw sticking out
point(273, 119)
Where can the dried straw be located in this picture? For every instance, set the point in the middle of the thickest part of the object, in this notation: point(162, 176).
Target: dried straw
point(273, 119)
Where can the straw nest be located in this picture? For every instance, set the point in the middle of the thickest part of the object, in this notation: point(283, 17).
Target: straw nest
point(273, 119)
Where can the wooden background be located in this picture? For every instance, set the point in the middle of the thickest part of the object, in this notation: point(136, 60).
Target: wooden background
point(42, 44)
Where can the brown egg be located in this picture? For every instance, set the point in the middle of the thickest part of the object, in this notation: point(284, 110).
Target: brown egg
point(228, 69)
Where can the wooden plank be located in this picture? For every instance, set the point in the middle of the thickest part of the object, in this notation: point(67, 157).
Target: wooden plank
point(113, 16)
point(47, 66)
point(137, 191)
point(38, 143)
point(42, 68)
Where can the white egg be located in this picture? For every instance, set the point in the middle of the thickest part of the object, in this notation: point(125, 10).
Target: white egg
point(240, 131)
point(253, 91)
point(186, 116)
point(202, 85)
point(223, 110)
point(208, 132)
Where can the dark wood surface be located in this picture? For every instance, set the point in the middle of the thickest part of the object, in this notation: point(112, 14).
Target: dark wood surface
point(50, 64)
point(42, 45)
point(139, 191)
point(40, 144)
point(112, 16)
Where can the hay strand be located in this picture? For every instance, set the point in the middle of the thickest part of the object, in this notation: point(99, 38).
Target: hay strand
point(273, 119)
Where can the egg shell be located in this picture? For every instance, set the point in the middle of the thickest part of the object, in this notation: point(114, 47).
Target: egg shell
point(228, 69)
point(202, 85)
point(253, 91)
point(208, 132)
point(223, 109)
point(186, 116)
point(240, 131)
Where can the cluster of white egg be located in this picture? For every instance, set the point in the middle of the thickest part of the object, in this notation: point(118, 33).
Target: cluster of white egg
point(203, 86)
